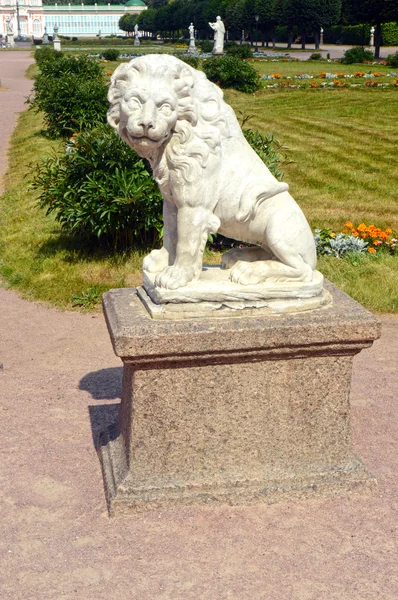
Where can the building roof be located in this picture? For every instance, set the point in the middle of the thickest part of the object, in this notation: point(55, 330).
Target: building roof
point(65, 8)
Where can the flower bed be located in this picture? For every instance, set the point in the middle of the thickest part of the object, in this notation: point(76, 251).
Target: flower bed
point(363, 238)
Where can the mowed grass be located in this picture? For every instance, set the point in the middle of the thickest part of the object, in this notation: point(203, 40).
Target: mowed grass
point(315, 67)
point(343, 144)
point(342, 147)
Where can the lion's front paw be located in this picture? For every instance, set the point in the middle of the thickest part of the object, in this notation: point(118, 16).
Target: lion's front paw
point(156, 261)
point(174, 277)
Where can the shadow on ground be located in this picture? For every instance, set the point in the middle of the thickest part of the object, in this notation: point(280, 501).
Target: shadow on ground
point(105, 384)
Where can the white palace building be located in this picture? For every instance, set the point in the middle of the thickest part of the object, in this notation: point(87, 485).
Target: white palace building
point(82, 20)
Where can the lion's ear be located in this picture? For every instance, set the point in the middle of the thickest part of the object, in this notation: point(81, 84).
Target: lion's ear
point(184, 80)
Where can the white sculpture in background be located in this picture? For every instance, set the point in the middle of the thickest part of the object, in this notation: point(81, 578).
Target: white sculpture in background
point(219, 32)
point(192, 47)
point(136, 35)
point(10, 33)
point(210, 178)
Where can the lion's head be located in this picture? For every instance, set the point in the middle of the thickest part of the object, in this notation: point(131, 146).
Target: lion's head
point(155, 96)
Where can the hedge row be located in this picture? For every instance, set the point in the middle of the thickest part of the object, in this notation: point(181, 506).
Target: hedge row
point(356, 34)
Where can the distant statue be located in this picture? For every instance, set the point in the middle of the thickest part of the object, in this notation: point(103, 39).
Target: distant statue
point(10, 30)
point(219, 32)
point(192, 47)
point(10, 34)
point(136, 35)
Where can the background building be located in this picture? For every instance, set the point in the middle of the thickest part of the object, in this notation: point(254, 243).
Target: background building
point(83, 20)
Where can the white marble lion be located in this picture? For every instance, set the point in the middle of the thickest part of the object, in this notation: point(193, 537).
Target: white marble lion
point(210, 178)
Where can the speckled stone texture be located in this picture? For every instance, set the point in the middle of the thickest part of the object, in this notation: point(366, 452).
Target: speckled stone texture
point(233, 411)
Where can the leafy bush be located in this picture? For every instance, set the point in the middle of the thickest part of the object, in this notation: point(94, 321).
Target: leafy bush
point(37, 42)
point(327, 243)
point(316, 56)
point(356, 55)
point(240, 51)
point(71, 92)
point(192, 61)
point(232, 72)
point(392, 60)
point(110, 54)
point(389, 34)
point(99, 187)
point(266, 147)
point(47, 53)
point(206, 46)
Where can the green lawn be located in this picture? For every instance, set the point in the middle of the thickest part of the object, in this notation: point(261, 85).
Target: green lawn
point(342, 144)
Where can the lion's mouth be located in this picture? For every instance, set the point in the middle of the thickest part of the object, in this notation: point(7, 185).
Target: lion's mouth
point(146, 140)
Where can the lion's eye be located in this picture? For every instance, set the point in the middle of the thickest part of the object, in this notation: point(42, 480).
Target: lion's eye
point(134, 103)
point(165, 109)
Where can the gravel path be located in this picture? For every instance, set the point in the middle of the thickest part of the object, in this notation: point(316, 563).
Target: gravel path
point(13, 66)
point(60, 384)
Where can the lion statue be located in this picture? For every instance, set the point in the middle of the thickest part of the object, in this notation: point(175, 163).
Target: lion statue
point(210, 178)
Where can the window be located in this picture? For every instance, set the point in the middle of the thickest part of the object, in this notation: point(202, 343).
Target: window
point(36, 27)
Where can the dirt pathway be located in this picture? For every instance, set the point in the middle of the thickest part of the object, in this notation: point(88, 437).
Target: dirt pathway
point(13, 66)
point(60, 385)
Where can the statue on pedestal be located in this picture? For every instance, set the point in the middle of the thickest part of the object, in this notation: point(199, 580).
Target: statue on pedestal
point(10, 33)
point(192, 47)
point(45, 36)
point(219, 32)
point(136, 35)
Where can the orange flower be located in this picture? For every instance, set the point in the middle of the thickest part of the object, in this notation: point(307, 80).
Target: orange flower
point(372, 250)
point(363, 235)
point(345, 230)
point(362, 227)
point(349, 225)
point(388, 231)
point(355, 233)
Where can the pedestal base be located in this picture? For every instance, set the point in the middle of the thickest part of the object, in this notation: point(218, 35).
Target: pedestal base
point(233, 410)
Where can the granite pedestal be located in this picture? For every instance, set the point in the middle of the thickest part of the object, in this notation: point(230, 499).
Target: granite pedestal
point(236, 410)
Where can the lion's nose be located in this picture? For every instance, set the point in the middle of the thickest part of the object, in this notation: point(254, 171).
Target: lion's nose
point(147, 116)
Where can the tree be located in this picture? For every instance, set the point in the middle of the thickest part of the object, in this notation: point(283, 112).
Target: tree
point(374, 12)
point(127, 22)
point(311, 15)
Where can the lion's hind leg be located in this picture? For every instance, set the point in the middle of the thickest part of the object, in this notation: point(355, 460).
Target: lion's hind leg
point(271, 270)
point(246, 254)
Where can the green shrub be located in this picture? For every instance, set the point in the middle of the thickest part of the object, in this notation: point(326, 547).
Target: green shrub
point(99, 187)
point(392, 60)
point(232, 72)
point(71, 92)
point(37, 42)
point(389, 34)
point(110, 54)
point(206, 46)
point(240, 51)
point(316, 56)
point(46, 53)
point(192, 61)
point(356, 55)
point(266, 147)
